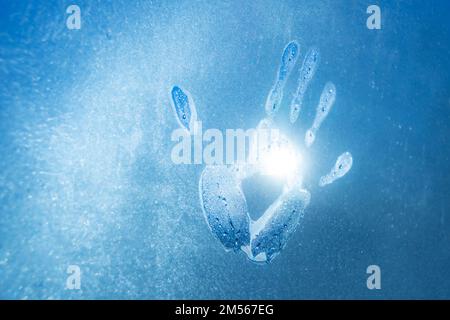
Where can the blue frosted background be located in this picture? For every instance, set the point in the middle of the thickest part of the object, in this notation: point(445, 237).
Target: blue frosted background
point(86, 176)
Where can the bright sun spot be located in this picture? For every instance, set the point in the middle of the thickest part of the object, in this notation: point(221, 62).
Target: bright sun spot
point(280, 161)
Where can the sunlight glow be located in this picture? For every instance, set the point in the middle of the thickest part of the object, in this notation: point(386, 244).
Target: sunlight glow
point(280, 161)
